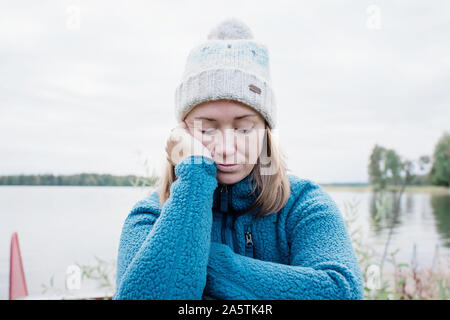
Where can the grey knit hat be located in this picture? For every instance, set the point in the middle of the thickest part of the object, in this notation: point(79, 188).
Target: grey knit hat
point(229, 65)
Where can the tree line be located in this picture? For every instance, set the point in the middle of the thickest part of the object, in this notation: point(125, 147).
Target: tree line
point(386, 167)
point(83, 179)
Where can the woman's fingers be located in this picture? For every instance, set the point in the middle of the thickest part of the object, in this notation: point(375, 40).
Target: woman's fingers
point(182, 143)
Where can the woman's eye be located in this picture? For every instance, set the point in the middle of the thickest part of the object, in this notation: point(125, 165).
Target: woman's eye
point(210, 131)
point(245, 131)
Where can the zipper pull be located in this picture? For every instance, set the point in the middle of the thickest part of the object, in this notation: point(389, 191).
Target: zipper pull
point(249, 247)
point(248, 238)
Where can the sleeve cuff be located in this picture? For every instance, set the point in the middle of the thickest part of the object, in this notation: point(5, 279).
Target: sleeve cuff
point(196, 165)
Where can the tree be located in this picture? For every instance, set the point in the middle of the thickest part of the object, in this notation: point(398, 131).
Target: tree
point(393, 166)
point(385, 167)
point(376, 167)
point(440, 170)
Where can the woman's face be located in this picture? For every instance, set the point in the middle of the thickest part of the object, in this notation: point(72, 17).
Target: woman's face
point(233, 132)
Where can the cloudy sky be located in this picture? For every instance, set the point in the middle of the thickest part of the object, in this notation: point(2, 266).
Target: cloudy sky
point(88, 86)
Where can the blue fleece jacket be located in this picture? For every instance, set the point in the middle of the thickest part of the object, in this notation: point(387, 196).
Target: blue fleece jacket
point(205, 243)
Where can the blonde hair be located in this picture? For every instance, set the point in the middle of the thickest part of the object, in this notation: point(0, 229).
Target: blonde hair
point(272, 191)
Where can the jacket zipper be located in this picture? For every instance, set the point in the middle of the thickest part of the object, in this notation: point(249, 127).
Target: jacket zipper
point(225, 198)
point(223, 206)
point(248, 242)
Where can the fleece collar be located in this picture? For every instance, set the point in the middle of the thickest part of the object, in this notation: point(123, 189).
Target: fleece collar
point(235, 197)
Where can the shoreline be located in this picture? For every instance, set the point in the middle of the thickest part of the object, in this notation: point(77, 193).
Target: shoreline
point(439, 190)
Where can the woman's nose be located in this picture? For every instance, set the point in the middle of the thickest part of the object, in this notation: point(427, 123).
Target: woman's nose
point(225, 146)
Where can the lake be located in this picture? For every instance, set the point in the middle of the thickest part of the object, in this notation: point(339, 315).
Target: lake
point(61, 226)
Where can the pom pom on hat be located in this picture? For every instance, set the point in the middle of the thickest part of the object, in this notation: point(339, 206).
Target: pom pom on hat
point(231, 29)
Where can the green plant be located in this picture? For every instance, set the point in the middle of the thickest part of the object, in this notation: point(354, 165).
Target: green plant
point(50, 287)
point(149, 180)
point(103, 273)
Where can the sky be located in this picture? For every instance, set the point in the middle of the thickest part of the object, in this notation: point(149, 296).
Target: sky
point(88, 86)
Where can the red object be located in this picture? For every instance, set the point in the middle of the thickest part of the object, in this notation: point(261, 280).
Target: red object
point(17, 283)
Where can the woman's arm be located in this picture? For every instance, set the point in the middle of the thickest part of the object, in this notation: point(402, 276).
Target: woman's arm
point(323, 264)
point(166, 257)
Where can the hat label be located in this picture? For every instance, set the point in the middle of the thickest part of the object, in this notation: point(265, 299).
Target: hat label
point(254, 88)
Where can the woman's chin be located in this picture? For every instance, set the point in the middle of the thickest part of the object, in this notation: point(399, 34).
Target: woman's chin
point(228, 177)
point(235, 176)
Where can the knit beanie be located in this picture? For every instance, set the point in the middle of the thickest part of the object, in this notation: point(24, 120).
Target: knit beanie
point(229, 65)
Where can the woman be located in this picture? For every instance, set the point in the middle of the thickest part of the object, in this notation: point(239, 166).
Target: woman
point(228, 221)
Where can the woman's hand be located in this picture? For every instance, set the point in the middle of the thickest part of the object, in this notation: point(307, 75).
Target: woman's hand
point(181, 144)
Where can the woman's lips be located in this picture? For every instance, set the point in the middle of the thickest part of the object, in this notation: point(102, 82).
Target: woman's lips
point(227, 167)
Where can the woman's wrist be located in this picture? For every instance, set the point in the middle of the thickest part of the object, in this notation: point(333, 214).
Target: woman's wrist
point(196, 164)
